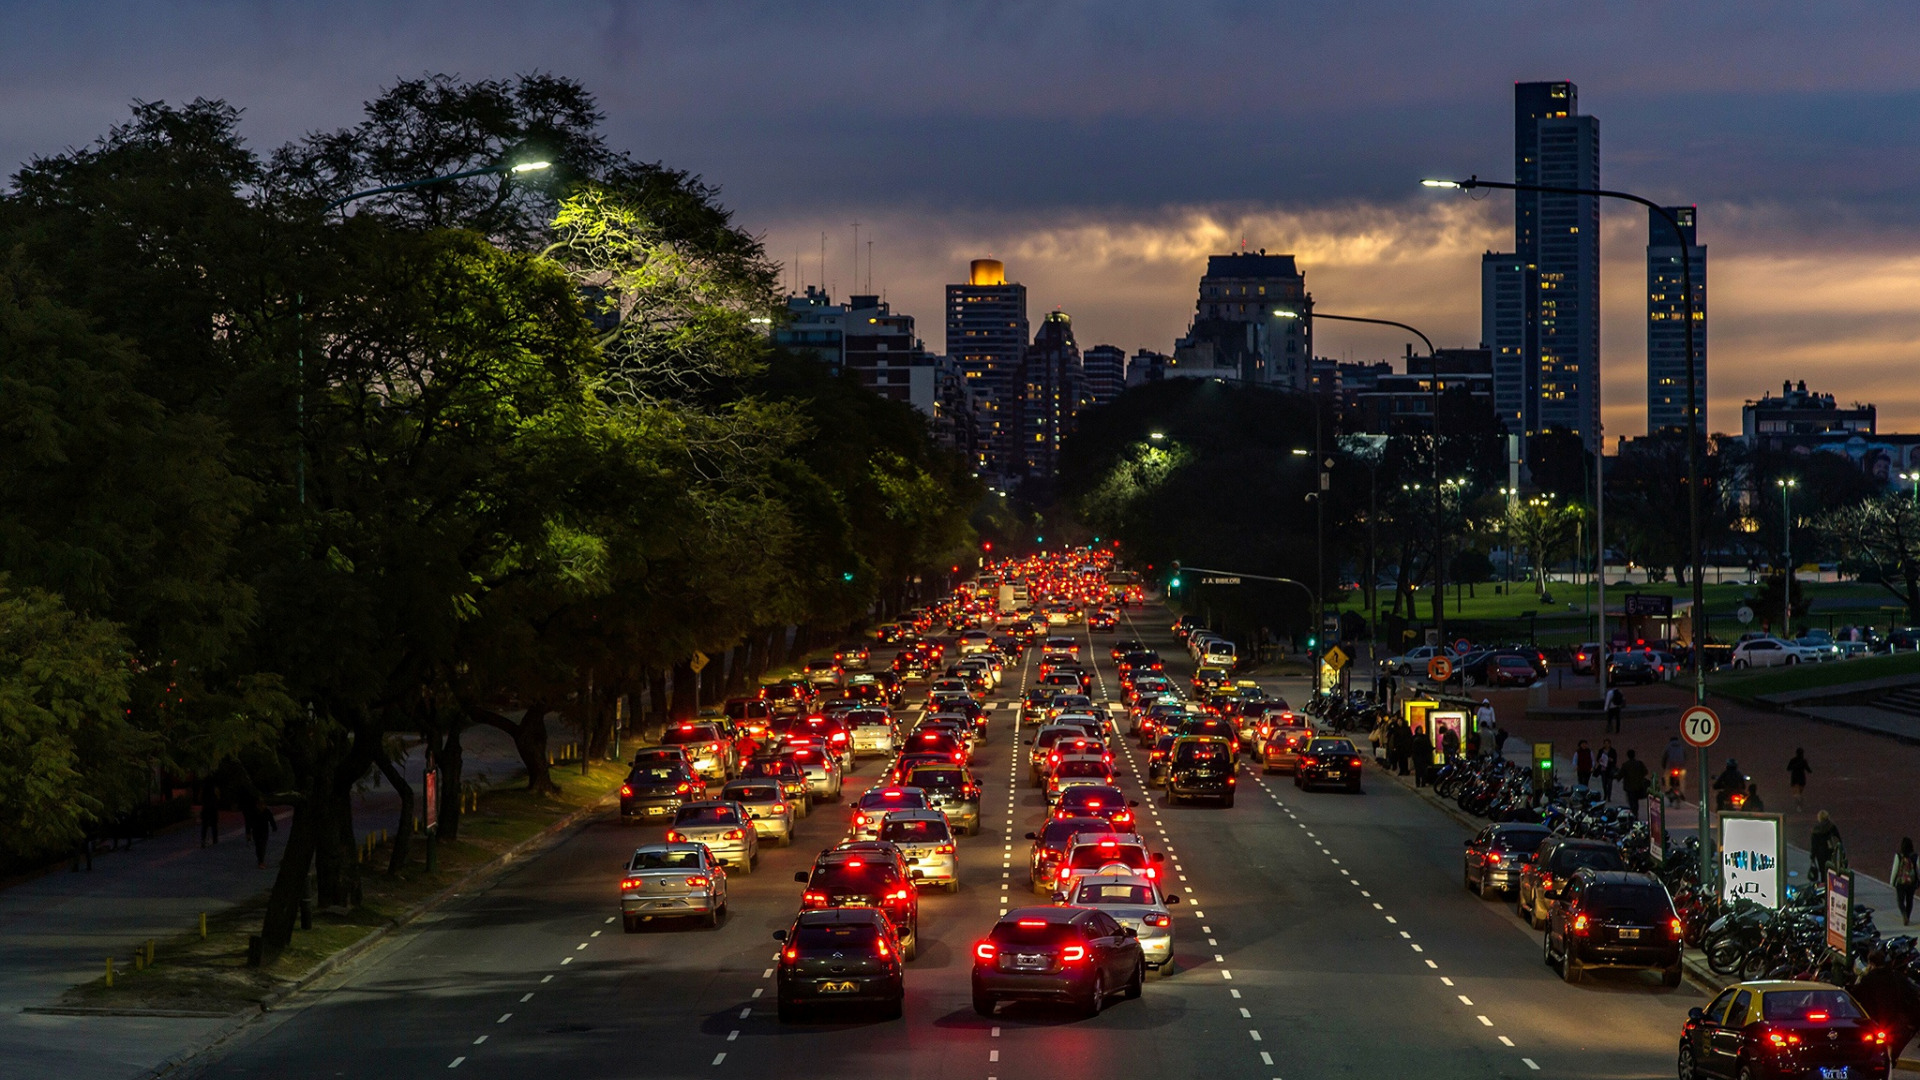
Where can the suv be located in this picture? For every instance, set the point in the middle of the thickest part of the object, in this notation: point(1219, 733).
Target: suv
point(876, 803)
point(1200, 767)
point(658, 789)
point(1611, 918)
point(953, 792)
point(709, 749)
point(1075, 954)
point(844, 957)
point(1092, 852)
point(866, 879)
point(1549, 869)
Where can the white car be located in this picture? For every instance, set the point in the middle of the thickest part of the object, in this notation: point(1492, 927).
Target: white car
point(975, 641)
point(1415, 662)
point(1822, 647)
point(1771, 652)
point(1136, 902)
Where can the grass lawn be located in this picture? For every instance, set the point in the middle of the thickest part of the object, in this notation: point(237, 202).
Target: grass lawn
point(1748, 685)
point(212, 974)
point(1843, 600)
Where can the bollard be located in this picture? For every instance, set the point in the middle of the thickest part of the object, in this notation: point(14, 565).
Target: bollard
point(149, 952)
point(203, 926)
point(139, 959)
point(109, 972)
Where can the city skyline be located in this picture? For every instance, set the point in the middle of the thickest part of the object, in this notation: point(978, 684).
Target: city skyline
point(1795, 144)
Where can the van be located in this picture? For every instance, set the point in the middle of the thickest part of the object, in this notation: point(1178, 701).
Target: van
point(1219, 651)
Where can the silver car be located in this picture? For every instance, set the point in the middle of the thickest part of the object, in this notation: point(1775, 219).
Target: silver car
point(1133, 901)
point(822, 769)
point(768, 807)
point(874, 732)
point(672, 880)
point(926, 840)
point(874, 807)
point(724, 827)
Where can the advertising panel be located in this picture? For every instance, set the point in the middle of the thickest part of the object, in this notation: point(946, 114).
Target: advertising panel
point(1752, 859)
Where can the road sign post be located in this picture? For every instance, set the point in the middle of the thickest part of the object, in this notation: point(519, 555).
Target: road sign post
point(1542, 765)
point(1840, 912)
point(1700, 726)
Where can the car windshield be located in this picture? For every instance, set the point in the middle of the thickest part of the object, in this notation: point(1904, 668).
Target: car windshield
point(1201, 753)
point(753, 792)
point(666, 860)
point(1330, 746)
point(837, 937)
point(707, 815)
point(1798, 1004)
point(1100, 893)
point(1094, 856)
point(915, 831)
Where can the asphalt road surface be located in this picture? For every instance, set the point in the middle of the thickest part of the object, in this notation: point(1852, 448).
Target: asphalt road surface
point(1320, 934)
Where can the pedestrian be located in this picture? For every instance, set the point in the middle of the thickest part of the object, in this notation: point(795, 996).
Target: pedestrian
point(1675, 763)
point(1449, 744)
point(1616, 703)
point(1753, 805)
point(1824, 851)
point(1606, 765)
point(1582, 762)
point(1890, 1000)
point(1379, 736)
point(260, 822)
point(1634, 781)
point(1797, 770)
point(1905, 878)
point(1483, 718)
point(209, 814)
point(1499, 741)
point(1473, 745)
point(1402, 746)
point(1422, 755)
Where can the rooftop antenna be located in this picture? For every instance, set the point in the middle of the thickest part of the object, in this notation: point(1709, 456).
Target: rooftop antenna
point(823, 260)
point(856, 253)
point(869, 267)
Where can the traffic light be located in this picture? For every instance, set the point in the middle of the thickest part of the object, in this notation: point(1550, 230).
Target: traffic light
point(1096, 539)
point(848, 576)
point(1173, 582)
point(986, 545)
point(1312, 643)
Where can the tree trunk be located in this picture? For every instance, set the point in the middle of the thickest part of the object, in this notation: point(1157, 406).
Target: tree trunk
point(685, 705)
point(290, 883)
point(657, 703)
point(333, 821)
point(450, 759)
point(403, 829)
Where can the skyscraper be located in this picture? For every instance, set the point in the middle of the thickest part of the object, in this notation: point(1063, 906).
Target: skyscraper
point(1557, 241)
point(1666, 325)
point(987, 337)
point(1235, 325)
point(1503, 321)
point(1106, 368)
point(1053, 389)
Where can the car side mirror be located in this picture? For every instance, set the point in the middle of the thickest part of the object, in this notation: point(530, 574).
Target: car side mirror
point(800, 876)
point(1059, 897)
point(779, 935)
point(1132, 803)
point(1031, 836)
point(1696, 1013)
point(1129, 932)
point(1159, 857)
point(1172, 899)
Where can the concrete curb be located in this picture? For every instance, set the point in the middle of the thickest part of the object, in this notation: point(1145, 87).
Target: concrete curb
point(479, 877)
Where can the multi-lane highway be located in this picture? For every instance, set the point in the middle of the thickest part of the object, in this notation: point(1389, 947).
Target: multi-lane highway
point(1319, 935)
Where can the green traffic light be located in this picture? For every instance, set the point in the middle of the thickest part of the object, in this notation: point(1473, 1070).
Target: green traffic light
point(1312, 643)
point(846, 577)
point(1173, 582)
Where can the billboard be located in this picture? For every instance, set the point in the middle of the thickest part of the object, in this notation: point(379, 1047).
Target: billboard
point(1752, 859)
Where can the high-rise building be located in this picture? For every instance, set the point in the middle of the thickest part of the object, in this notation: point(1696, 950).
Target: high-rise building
point(1254, 318)
point(1503, 320)
point(1053, 389)
point(1666, 322)
point(1557, 241)
point(1146, 366)
point(987, 337)
point(1106, 371)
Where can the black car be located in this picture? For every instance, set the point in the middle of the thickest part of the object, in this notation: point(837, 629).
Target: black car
point(1200, 767)
point(1329, 761)
point(847, 956)
point(1613, 918)
point(1632, 667)
point(1096, 800)
point(1476, 668)
point(952, 791)
point(1495, 856)
point(1160, 757)
point(1070, 954)
point(658, 790)
point(844, 878)
point(1548, 870)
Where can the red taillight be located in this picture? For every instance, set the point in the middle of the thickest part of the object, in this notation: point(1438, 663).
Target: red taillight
point(1493, 858)
point(1817, 1016)
point(629, 884)
point(1580, 924)
point(985, 951)
point(682, 789)
point(1123, 818)
point(1355, 762)
point(697, 883)
point(859, 819)
point(1158, 920)
point(1153, 873)
point(1033, 922)
point(674, 837)
point(1782, 1039)
point(790, 954)
point(626, 790)
point(881, 948)
point(1877, 1037)
point(943, 849)
point(1675, 928)
point(1073, 954)
point(1309, 760)
point(731, 834)
point(813, 899)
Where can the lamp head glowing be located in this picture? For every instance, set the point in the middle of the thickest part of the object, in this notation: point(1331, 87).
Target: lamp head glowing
point(1281, 314)
point(531, 166)
point(1156, 436)
point(1440, 183)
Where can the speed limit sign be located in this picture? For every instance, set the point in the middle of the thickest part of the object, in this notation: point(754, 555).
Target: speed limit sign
point(1700, 726)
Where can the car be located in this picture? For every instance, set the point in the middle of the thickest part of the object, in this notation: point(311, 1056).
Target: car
point(1614, 919)
point(1415, 661)
point(1634, 668)
point(952, 791)
point(837, 958)
point(1097, 801)
point(824, 673)
point(1584, 657)
point(926, 840)
point(1125, 646)
point(1329, 761)
point(749, 718)
point(1508, 669)
point(1077, 770)
point(874, 804)
point(723, 826)
point(1092, 852)
point(1076, 955)
point(766, 805)
point(1135, 902)
point(1547, 871)
point(709, 749)
point(672, 880)
point(872, 731)
point(1043, 742)
point(1773, 1029)
point(1160, 759)
point(1210, 726)
point(1820, 645)
point(788, 695)
point(852, 877)
point(975, 641)
point(939, 740)
point(792, 777)
point(824, 777)
point(1280, 751)
point(1200, 767)
point(1771, 652)
point(1496, 853)
point(658, 790)
point(1050, 846)
point(854, 657)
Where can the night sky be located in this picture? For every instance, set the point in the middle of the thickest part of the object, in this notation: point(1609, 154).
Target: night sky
point(1104, 149)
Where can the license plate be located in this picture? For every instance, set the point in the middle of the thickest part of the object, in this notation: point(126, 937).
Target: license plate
point(1630, 935)
point(1836, 1072)
point(836, 988)
point(1030, 960)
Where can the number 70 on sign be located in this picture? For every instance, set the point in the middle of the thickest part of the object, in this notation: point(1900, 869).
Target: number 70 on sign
point(1700, 726)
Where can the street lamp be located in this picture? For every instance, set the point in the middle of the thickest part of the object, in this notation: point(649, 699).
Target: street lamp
point(1156, 436)
point(1914, 479)
point(1786, 487)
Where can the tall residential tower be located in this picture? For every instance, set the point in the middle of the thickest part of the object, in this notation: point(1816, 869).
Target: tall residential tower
point(1666, 325)
point(987, 337)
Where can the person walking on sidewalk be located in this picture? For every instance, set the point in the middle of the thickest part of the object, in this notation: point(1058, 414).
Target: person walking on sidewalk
point(1582, 763)
point(1606, 765)
point(209, 814)
point(1616, 702)
point(1905, 878)
point(1824, 851)
point(1499, 741)
point(1675, 763)
point(1402, 746)
point(1484, 717)
point(1797, 770)
point(1635, 782)
point(1890, 1000)
point(1422, 756)
point(259, 818)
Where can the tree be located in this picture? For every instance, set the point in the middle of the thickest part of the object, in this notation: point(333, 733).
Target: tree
point(1878, 540)
point(1547, 530)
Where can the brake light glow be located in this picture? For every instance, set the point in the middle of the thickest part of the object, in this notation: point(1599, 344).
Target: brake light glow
point(1781, 1039)
point(1073, 954)
point(1817, 1016)
point(1493, 858)
point(1674, 927)
point(697, 882)
point(626, 790)
point(1032, 922)
point(986, 951)
point(1158, 920)
point(881, 948)
point(686, 727)
point(1580, 924)
point(674, 837)
point(629, 884)
point(813, 899)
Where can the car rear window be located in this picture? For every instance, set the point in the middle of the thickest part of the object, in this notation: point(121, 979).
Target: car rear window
point(1796, 1004)
point(666, 860)
point(938, 778)
point(1645, 904)
point(836, 937)
point(1091, 893)
point(1058, 833)
point(691, 734)
point(902, 800)
point(866, 877)
point(1330, 746)
point(1525, 841)
point(1013, 933)
point(868, 718)
point(1201, 753)
point(1094, 856)
point(655, 772)
point(1569, 859)
point(915, 831)
point(706, 815)
point(1082, 768)
point(753, 792)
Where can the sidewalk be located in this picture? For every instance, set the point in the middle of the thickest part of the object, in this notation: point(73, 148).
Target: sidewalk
point(58, 929)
